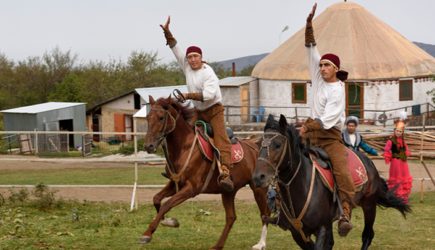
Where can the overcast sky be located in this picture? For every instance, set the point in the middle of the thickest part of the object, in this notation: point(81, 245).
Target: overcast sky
point(224, 29)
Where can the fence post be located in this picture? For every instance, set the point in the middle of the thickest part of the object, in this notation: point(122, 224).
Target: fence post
point(296, 114)
point(83, 145)
point(9, 144)
point(67, 142)
point(36, 142)
point(421, 190)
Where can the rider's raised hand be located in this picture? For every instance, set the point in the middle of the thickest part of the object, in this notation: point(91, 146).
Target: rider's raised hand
point(312, 13)
point(309, 32)
point(170, 40)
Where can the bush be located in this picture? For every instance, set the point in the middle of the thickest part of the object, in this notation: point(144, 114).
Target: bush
point(20, 196)
point(45, 199)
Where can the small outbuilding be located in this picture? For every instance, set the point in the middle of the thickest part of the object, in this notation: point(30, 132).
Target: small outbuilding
point(49, 116)
point(240, 98)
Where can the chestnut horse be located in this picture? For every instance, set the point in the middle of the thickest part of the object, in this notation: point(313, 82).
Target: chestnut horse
point(306, 206)
point(190, 173)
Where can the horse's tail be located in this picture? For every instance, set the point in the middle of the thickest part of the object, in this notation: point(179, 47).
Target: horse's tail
point(388, 198)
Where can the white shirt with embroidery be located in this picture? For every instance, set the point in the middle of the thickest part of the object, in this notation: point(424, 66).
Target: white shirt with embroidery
point(203, 80)
point(329, 100)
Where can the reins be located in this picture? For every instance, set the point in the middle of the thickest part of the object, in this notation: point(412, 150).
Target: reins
point(295, 221)
point(173, 175)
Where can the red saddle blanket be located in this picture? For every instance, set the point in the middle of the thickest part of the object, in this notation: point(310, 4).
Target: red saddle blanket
point(356, 168)
point(208, 149)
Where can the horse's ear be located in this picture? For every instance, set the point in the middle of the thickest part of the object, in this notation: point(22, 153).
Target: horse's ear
point(270, 118)
point(169, 98)
point(151, 99)
point(282, 121)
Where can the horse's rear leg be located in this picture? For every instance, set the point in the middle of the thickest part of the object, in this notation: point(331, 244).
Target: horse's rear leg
point(369, 209)
point(260, 196)
point(230, 218)
point(185, 193)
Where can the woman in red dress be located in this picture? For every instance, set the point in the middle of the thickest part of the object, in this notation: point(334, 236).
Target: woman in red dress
point(396, 153)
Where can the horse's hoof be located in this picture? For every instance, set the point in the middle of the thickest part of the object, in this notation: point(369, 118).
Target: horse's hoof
point(170, 222)
point(259, 247)
point(145, 239)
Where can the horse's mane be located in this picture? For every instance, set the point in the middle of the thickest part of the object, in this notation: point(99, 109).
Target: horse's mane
point(297, 140)
point(186, 112)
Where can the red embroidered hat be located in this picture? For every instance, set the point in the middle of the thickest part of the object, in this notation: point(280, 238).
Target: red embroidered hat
point(332, 58)
point(193, 49)
point(335, 60)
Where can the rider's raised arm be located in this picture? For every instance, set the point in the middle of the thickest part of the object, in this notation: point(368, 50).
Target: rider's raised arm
point(172, 43)
point(313, 53)
point(181, 58)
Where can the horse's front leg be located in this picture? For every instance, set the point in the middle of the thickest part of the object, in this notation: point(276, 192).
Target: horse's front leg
point(230, 218)
point(167, 191)
point(261, 199)
point(183, 194)
point(324, 238)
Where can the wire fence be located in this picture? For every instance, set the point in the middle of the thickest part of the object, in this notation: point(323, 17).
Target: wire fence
point(64, 143)
point(235, 115)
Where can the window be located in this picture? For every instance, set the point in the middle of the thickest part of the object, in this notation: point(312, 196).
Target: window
point(299, 93)
point(405, 90)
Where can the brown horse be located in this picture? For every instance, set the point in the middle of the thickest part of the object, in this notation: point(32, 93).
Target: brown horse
point(190, 174)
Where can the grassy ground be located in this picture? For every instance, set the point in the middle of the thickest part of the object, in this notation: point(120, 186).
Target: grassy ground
point(73, 225)
point(96, 176)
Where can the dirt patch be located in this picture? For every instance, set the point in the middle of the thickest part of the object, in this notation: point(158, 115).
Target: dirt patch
point(124, 194)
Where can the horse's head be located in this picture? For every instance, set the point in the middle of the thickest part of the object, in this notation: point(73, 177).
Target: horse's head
point(274, 149)
point(162, 120)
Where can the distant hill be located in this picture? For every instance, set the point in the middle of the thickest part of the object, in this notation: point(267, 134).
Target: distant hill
point(242, 62)
point(246, 61)
point(429, 48)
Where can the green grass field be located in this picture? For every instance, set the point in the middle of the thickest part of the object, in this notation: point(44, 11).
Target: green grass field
point(74, 225)
point(82, 176)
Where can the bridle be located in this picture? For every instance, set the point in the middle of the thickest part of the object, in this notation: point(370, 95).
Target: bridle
point(163, 133)
point(267, 139)
point(289, 213)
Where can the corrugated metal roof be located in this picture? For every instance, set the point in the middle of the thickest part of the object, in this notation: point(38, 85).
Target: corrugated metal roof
point(42, 107)
point(158, 92)
point(236, 81)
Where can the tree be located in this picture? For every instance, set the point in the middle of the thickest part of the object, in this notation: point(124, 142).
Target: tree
point(247, 71)
point(69, 90)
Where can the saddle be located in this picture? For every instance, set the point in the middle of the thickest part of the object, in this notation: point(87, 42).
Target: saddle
point(206, 144)
point(322, 163)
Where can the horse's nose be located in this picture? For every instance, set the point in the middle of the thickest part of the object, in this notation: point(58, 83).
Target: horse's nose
point(150, 148)
point(259, 180)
